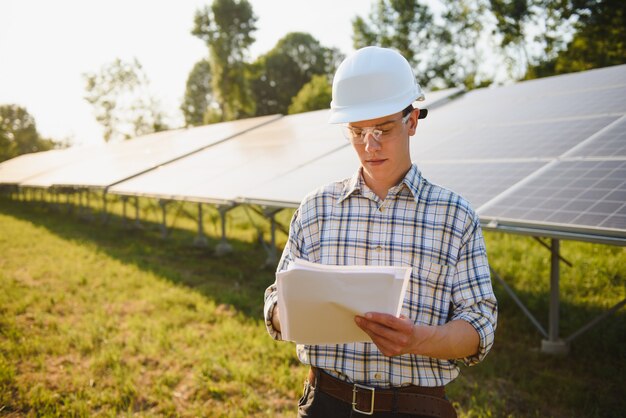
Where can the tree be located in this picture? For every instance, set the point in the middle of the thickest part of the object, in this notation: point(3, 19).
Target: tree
point(599, 40)
point(199, 97)
point(468, 24)
point(409, 27)
point(532, 31)
point(314, 95)
point(122, 102)
point(226, 27)
point(18, 133)
point(277, 76)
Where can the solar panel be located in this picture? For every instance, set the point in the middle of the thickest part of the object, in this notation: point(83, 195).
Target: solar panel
point(569, 96)
point(586, 80)
point(611, 143)
point(23, 167)
point(542, 139)
point(228, 170)
point(479, 181)
point(579, 194)
point(118, 161)
point(289, 189)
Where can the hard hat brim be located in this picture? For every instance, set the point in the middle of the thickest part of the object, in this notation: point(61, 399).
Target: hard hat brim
point(350, 114)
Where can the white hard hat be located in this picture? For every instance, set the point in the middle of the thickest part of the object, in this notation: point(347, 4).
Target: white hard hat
point(371, 83)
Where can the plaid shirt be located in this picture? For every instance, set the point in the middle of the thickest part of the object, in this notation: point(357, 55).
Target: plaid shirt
point(419, 224)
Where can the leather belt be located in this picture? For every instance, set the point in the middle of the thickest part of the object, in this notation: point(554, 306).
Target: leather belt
point(420, 400)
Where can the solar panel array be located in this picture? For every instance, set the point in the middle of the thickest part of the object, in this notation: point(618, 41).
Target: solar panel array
point(546, 155)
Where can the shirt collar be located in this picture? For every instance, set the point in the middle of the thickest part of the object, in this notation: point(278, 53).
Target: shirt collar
point(412, 180)
point(353, 185)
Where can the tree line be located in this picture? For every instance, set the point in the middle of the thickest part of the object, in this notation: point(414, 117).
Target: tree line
point(470, 43)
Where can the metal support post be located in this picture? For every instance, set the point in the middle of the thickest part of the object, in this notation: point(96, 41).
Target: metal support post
point(105, 214)
point(200, 240)
point(81, 209)
point(137, 220)
point(88, 209)
point(223, 247)
point(272, 254)
point(124, 200)
point(163, 204)
point(554, 345)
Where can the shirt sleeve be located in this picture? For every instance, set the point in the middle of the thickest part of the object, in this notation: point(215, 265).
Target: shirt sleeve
point(472, 294)
point(293, 249)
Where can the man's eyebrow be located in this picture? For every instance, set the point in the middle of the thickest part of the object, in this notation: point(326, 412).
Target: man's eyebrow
point(384, 123)
point(375, 126)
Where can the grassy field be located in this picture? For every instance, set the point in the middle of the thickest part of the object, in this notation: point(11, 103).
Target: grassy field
point(103, 320)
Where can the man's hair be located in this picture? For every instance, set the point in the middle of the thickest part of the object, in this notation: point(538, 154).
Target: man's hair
point(407, 110)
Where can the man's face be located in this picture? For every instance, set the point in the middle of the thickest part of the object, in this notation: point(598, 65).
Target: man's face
point(385, 161)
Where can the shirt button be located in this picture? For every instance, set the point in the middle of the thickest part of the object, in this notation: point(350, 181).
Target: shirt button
point(377, 376)
point(382, 208)
point(378, 249)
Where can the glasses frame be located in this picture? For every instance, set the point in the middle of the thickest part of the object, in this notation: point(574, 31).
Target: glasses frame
point(374, 131)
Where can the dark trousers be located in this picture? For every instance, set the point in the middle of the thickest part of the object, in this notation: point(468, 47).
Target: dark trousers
point(317, 404)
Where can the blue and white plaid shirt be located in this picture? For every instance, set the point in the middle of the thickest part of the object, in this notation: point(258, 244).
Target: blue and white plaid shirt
point(419, 224)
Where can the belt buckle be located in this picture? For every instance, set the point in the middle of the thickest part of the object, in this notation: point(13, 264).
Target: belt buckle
point(354, 393)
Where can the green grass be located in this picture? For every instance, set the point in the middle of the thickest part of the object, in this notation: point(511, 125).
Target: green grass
point(103, 320)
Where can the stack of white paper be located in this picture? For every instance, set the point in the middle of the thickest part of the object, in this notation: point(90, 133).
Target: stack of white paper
point(318, 303)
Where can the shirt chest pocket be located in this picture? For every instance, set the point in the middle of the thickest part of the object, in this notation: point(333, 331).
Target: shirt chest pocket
point(429, 293)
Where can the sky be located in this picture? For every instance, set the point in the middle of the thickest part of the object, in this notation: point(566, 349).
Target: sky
point(47, 46)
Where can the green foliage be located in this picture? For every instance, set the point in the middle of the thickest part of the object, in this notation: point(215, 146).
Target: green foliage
point(123, 105)
point(198, 94)
point(18, 133)
point(226, 27)
point(277, 76)
point(314, 95)
point(544, 38)
point(409, 27)
point(466, 23)
point(461, 41)
point(599, 41)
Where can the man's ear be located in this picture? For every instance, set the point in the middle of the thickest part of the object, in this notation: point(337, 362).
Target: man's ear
point(413, 121)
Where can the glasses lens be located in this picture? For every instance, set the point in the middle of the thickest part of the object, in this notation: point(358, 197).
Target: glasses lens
point(358, 135)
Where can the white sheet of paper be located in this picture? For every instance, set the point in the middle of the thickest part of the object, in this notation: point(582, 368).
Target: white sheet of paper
point(318, 302)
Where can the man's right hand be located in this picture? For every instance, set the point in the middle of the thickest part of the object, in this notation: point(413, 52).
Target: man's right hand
point(275, 318)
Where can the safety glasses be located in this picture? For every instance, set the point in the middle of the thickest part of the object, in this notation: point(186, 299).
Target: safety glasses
point(381, 133)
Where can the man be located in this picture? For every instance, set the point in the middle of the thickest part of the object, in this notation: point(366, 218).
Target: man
point(388, 214)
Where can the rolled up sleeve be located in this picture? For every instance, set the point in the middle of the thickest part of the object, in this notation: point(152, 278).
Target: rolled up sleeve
point(472, 295)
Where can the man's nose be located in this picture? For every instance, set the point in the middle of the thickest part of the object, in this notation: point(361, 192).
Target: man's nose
point(371, 144)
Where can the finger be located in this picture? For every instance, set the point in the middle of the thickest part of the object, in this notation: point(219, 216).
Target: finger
point(401, 324)
point(384, 344)
point(387, 347)
point(377, 330)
